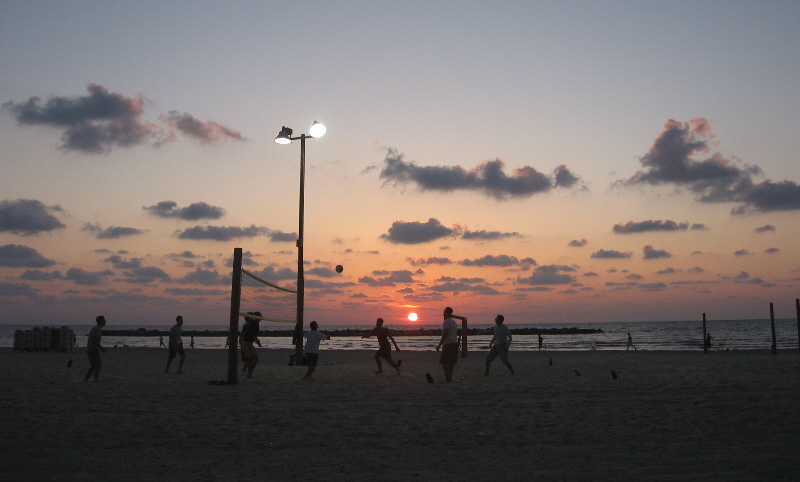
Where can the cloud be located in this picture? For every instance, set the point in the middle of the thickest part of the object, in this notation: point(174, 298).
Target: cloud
point(281, 237)
point(194, 292)
point(221, 233)
point(646, 226)
point(634, 276)
point(577, 243)
point(651, 253)
point(269, 273)
point(94, 123)
point(767, 228)
point(549, 275)
point(17, 289)
point(416, 232)
point(742, 275)
point(488, 235)
point(460, 286)
point(499, 260)
point(82, 277)
point(113, 232)
point(610, 254)
point(696, 269)
point(36, 275)
point(206, 132)
point(667, 271)
point(204, 277)
point(27, 217)
point(653, 286)
point(323, 272)
point(488, 177)
point(590, 273)
point(428, 261)
point(771, 250)
point(388, 278)
point(714, 179)
point(17, 256)
point(193, 212)
point(146, 274)
point(742, 252)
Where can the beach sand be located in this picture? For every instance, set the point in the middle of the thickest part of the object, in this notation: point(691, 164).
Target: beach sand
point(668, 416)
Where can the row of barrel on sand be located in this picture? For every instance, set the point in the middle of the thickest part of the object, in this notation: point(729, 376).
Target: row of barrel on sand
point(360, 332)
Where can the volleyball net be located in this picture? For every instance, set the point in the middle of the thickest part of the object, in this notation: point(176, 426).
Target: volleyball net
point(275, 303)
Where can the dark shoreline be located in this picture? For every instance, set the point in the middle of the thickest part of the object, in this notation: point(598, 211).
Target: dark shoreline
point(353, 332)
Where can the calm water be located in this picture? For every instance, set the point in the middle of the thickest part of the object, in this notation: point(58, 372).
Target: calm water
point(661, 335)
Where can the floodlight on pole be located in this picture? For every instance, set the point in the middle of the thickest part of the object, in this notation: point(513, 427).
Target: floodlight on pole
point(285, 137)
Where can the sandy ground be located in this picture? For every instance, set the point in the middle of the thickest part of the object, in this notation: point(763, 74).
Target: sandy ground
point(668, 416)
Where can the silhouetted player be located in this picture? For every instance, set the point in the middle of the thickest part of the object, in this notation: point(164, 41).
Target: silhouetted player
point(385, 348)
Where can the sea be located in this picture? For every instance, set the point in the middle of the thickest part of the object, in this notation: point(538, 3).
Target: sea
point(650, 335)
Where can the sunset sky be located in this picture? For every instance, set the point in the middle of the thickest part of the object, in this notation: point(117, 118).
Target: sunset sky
point(556, 162)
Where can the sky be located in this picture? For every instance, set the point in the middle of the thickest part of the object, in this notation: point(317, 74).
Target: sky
point(554, 162)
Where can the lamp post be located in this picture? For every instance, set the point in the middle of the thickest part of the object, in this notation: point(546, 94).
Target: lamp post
point(285, 137)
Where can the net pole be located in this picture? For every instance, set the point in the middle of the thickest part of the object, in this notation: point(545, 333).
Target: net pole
point(298, 329)
point(233, 332)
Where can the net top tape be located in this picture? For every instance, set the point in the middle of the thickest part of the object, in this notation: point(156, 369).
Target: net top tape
point(267, 282)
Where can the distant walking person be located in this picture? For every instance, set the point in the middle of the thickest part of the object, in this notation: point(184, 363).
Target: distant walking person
point(385, 348)
point(191, 343)
point(449, 343)
point(176, 344)
point(93, 348)
point(541, 340)
point(311, 348)
point(630, 343)
point(161, 342)
point(501, 342)
point(708, 342)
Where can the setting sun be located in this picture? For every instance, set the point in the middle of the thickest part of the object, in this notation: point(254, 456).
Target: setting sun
point(412, 317)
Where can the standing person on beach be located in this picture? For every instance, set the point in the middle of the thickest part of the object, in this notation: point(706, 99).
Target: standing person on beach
point(248, 337)
point(541, 340)
point(449, 343)
point(93, 348)
point(161, 342)
point(311, 348)
point(176, 344)
point(630, 343)
point(708, 342)
point(501, 342)
point(385, 348)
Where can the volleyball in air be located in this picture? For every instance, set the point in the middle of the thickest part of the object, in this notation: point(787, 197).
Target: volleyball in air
point(339, 268)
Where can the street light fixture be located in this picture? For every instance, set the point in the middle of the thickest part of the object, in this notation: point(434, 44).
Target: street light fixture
point(285, 137)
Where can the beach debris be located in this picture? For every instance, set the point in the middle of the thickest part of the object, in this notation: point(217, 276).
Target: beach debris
point(551, 362)
point(429, 377)
point(577, 372)
point(69, 363)
point(217, 382)
point(613, 374)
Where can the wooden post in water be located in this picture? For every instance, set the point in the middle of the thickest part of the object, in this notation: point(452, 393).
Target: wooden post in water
point(464, 338)
point(705, 348)
point(772, 321)
point(233, 332)
point(797, 306)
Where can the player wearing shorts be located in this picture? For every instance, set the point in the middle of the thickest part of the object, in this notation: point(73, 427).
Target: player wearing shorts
point(449, 343)
point(501, 341)
point(176, 344)
point(385, 348)
point(311, 348)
